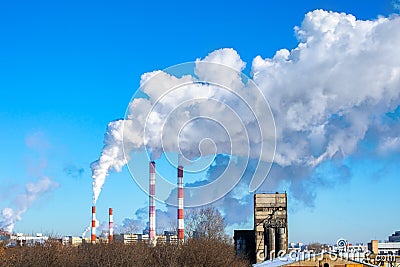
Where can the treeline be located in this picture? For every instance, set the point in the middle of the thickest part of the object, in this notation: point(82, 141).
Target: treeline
point(195, 252)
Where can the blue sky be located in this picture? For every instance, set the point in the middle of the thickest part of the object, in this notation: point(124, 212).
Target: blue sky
point(68, 68)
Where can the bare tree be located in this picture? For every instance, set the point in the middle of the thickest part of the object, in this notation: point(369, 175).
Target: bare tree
point(205, 223)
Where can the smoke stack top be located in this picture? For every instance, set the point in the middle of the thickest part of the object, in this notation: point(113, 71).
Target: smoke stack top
point(152, 167)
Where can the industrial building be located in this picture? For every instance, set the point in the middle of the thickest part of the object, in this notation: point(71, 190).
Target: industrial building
point(74, 240)
point(395, 237)
point(27, 240)
point(129, 239)
point(169, 237)
point(270, 225)
point(270, 233)
point(391, 247)
point(384, 248)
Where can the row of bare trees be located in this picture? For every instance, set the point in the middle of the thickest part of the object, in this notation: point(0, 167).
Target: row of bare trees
point(194, 252)
point(206, 245)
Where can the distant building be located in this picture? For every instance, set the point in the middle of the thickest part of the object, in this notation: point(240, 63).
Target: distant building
point(245, 245)
point(161, 239)
point(170, 237)
point(131, 238)
point(296, 246)
point(27, 240)
point(395, 237)
point(72, 241)
point(4, 236)
point(103, 240)
point(384, 248)
point(167, 238)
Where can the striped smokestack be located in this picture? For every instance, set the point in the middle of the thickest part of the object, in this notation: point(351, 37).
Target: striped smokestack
point(93, 236)
point(110, 225)
point(152, 204)
point(181, 227)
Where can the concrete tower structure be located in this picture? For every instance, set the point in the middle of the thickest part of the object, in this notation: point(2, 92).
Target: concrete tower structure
point(270, 225)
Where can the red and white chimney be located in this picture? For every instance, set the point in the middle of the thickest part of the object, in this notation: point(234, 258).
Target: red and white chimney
point(181, 223)
point(152, 204)
point(93, 236)
point(110, 225)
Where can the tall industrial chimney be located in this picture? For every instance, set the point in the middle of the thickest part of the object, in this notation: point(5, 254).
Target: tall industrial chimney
point(93, 236)
point(110, 225)
point(181, 227)
point(152, 204)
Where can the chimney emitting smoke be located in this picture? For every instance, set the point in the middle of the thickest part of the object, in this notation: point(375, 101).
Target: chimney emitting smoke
point(181, 227)
point(110, 225)
point(152, 204)
point(93, 236)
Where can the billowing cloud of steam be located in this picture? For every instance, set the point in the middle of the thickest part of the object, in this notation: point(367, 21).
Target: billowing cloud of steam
point(327, 92)
point(193, 119)
point(9, 216)
point(326, 95)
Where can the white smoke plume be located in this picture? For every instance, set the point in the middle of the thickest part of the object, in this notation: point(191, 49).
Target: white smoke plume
point(87, 229)
point(112, 157)
point(325, 94)
point(9, 216)
point(142, 128)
